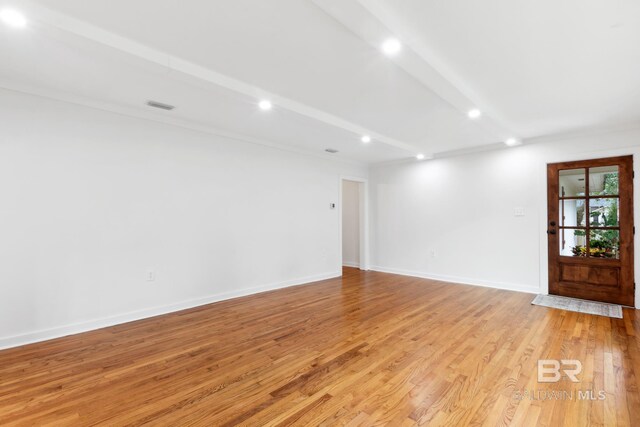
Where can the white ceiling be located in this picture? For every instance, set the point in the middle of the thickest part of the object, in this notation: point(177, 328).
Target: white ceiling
point(534, 68)
point(541, 67)
point(82, 71)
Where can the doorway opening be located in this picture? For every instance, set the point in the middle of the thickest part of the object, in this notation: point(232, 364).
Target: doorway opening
point(354, 223)
point(590, 229)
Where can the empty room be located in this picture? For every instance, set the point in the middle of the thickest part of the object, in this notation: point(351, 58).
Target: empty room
point(319, 213)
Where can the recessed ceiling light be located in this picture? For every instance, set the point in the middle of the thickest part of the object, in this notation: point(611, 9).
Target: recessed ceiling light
point(420, 156)
point(512, 142)
point(13, 18)
point(265, 105)
point(366, 139)
point(391, 46)
point(474, 114)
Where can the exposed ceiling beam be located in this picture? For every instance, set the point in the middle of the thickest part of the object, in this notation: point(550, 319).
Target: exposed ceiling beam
point(44, 17)
point(366, 20)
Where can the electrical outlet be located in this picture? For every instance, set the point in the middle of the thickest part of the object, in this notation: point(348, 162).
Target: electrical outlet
point(151, 276)
point(518, 211)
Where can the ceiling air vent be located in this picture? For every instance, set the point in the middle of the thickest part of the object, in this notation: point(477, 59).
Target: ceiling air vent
point(160, 105)
point(331, 150)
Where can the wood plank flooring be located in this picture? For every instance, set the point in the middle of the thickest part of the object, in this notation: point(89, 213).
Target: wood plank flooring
point(368, 349)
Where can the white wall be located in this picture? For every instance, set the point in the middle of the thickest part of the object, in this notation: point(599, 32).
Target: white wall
point(91, 201)
point(453, 218)
point(351, 223)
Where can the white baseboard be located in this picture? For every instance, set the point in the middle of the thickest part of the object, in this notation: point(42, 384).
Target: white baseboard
point(460, 280)
point(90, 325)
point(350, 264)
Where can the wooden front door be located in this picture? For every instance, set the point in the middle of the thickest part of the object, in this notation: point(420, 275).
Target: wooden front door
point(590, 229)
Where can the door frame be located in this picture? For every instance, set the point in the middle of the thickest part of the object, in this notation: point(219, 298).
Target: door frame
point(624, 264)
point(543, 198)
point(363, 209)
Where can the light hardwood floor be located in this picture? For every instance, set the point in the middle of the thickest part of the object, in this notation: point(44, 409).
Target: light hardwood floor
point(367, 349)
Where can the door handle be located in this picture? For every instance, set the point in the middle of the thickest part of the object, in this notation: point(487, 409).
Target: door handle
point(552, 231)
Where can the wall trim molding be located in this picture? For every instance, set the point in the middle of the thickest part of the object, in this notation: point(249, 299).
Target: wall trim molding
point(185, 124)
point(460, 280)
point(550, 138)
point(350, 264)
point(103, 322)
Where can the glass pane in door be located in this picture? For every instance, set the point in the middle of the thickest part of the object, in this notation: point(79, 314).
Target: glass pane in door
point(603, 181)
point(573, 242)
point(604, 212)
point(604, 244)
point(572, 213)
point(572, 183)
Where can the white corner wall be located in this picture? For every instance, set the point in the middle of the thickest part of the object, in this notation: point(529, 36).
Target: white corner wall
point(453, 218)
point(92, 201)
point(351, 223)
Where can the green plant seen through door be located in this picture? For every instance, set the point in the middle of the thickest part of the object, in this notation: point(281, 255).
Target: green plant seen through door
point(603, 243)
